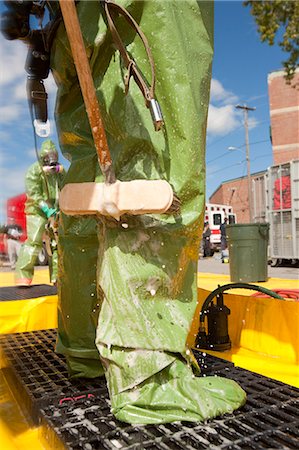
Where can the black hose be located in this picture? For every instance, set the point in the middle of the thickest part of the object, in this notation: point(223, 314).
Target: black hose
point(226, 287)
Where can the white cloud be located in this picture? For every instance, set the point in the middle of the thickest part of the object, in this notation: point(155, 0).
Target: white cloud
point(20, 92)
point(219, 94)
point(12, 56)
point(14, 110)
point(12, 82)
point(13, 180)
point(252, 123)
point(50, 85)
point(10, 112)
point(222, 120)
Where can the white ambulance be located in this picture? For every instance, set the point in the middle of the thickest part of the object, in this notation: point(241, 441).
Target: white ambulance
point(215, 215)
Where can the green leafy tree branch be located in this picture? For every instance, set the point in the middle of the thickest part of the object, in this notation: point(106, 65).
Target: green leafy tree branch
point(274, 16)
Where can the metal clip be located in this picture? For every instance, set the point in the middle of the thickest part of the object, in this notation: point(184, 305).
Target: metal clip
point(156, 114)
point(42, 129)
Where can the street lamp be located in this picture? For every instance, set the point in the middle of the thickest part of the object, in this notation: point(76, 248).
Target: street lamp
point(234, 148)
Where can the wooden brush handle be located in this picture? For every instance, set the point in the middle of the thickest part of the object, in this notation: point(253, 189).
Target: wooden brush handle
point(73, 30)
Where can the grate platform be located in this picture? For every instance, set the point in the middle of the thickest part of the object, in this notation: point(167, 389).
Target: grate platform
point(76, 414)
point(8, 293)
point(38, 375)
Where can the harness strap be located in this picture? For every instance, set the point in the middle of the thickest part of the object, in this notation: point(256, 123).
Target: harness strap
point(112, 10)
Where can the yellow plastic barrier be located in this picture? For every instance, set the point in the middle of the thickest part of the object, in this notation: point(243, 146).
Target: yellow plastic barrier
point(17, 316)
point(28, 315)
point(264, 331)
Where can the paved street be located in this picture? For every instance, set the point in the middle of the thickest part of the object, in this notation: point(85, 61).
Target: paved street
point(214, 265)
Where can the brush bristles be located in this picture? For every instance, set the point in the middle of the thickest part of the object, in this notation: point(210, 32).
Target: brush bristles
point(175, 206)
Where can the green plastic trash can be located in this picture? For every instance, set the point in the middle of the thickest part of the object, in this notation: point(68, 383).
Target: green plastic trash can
point(248, 251)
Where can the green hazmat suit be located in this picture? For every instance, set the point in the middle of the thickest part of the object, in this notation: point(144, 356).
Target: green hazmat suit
point(128, 289)
point(42, 191)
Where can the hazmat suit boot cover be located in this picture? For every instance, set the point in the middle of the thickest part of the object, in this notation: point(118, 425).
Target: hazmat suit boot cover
point(138, 280)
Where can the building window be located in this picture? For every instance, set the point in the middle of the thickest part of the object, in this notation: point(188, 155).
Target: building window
point(217, 219)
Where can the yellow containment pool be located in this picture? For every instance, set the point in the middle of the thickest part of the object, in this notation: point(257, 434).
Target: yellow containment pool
point(264, 331)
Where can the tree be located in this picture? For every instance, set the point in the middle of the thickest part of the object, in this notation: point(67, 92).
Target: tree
point(279, 19)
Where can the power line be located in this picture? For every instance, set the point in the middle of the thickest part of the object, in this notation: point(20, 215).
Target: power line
point(228, 152)
point(262, 156)
point(224, 137)
point(257, 142)
point(236, 129)
point(227, 167)
point(217, 157)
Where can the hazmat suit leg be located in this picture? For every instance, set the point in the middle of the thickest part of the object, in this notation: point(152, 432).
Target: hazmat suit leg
point(53, 263)
point(30, 249)
point(143, 327)
point(13, 250)
point(147, 265)
point(78, 299)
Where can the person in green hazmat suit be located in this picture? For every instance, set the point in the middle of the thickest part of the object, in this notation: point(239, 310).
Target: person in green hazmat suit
point(128, 289)
point(42, 183)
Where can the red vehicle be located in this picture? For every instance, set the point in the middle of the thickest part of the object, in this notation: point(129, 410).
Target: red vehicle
point(15, 213)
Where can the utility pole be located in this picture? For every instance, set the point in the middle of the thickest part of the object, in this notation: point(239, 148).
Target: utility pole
point(246, 108)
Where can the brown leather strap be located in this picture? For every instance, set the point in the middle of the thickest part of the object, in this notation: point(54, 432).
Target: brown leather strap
point(113, 9)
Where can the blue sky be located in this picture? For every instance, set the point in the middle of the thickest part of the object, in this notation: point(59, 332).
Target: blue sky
point(240, 69)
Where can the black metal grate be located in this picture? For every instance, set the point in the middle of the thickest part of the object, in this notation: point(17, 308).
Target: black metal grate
point(76, 414)
point(23, 293)
point(38, 375)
